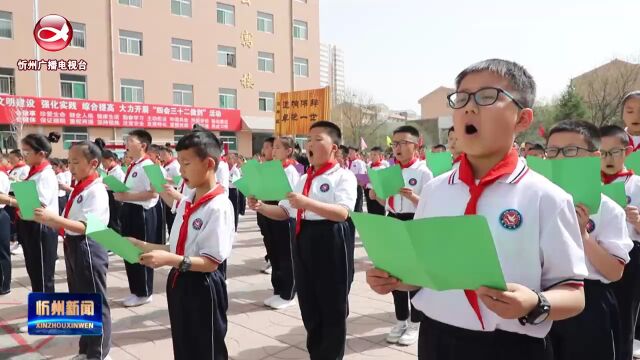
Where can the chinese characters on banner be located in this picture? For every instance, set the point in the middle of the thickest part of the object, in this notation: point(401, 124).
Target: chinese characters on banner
point(78, 112)
point(296, 111)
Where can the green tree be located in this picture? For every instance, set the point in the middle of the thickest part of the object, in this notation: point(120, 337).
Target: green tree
point(570, 106)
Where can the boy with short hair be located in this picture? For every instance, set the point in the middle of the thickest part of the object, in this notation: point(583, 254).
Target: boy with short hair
point(631, 118)
point(536, 150)
point(452, 144)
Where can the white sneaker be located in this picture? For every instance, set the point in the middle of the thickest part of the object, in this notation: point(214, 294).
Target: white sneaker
point(279, 303)
point(137, 301)
point(109, 253)
point(24, 329)
point(79, 357)
point(269, 300)
point(396, 331)
point(636, 354)
point(128, 299)
point(267, 268)
point(16, 249)
point(410, 335)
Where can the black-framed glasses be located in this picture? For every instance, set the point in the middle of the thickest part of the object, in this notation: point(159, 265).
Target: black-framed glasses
point(483, 97)
point(614, 153)
point(403, 143)
point(567, 151)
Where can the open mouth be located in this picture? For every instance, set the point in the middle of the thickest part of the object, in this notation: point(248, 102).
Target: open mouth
point(609, 166)
point(470, 129)
point(310, 153)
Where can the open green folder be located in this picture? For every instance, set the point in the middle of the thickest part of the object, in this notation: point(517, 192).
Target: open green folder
point(176, 179)
point(266, 181)
point(114, 184)
point(616, 192)
point(26, 194)
point(439, 163)
point(111, 240)
point(633, 162)
point(440, 253)
point(156, 177)
point(580, 177)
point(386, 182)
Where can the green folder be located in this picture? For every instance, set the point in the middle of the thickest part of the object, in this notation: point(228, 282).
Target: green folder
point(616, 192)
point(156, 177)
point(102, 172)
point(124, 168)
point(176, 179)
point(439, 163)
point(633, 162)
point(26, 194)
point(387, 182)
point(111, 240)
point(266, 181)
point(580, 177)
point(114, 184)
point(440, 253)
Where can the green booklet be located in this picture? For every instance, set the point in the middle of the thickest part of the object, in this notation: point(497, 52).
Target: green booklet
point(176, 179)
point(386, 182)
point(633, 162)
point(439, 163)
point(156, 177)
point(266, 181)
point(26, 194)
point(114, 184)
point(111, 240)
point(616, 192)
point(440, 253)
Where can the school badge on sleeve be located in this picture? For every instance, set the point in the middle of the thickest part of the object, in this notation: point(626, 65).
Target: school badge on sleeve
point(511, 219)
point(197, 224)
point(591, 226)
point(135, 174)
point(413, 182)
point(80, 198)
point(324, 188)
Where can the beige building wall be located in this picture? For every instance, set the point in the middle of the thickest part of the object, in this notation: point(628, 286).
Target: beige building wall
point(434, 104)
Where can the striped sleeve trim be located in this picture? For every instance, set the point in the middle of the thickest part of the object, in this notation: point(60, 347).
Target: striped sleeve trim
point(570, 282)
point(621, 260)
point(285, 210)
point(211, 258)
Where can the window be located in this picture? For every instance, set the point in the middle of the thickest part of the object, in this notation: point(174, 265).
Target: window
point(265, 61)
point(181, 7)
point(130, 42)
point(181, 50)
point(131, 90)
point(265, 22)
point(6, 25)
point(229, 138)
point(300, 30)
point(178, 134)
point(73, 134)
point(7, 81)
point(135, 3)
point(227, 98)
point(182, 94)
point(265, 101)
point(301, 67)
point(226, 14)
point(8, 137)
point(73, 86)
point(79, 35)
point(226, 56)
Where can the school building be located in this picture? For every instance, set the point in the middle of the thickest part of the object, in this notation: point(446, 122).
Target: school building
point(161, 65)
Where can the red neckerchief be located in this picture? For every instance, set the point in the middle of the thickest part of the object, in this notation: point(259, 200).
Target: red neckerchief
point(634, 146)
point(4, 169)
point(506, 166)
point(19, 165)
point(37, 169)
point(77, 191)
point(608, 179)
point(375, 164)
point(133, 164)
point(189, 209)
point(457, 160)
point(169, 162)
point(423, 157)
point(392, 201)
point(288, 162)
point(311, 174)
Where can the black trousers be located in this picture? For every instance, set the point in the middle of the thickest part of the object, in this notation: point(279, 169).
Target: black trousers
point(169, 217)
point(62, 202)
point(87, 263)
point(5, 254)
point(373, 206)
point(242, 203)
point(265, 230)
point(198, 313)
point(114, 213)
point(402, 299)
point(139, 223)
point(282, 258)
point(627, 293)
point(439, 341)
point(13, 218)
point(40, 246)
point(593, 333)
point(235, 200)
point(160, 223)
point(359, 199)
point(323, 263)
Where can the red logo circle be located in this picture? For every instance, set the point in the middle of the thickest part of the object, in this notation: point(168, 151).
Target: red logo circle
point(53, 32)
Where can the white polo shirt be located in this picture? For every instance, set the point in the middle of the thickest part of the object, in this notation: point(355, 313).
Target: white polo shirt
point(336, 186)
point(415, 177)
point(537, 237)
point(47, 185)
point(172, 168)
point(116, 172)
point(139, 182)
point(292, 175)
point(211, 229)
point(5, 185)
point(358, 167)
point(223, 176)
point(632, 189)
point(91, 200)
point(234, 175)
point(64, 178)
point(19, 173)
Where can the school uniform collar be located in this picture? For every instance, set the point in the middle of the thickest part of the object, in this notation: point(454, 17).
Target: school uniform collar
point(520, 172)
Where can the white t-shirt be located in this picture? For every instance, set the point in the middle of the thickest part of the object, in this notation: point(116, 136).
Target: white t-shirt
point(292, 175)
point(358, 167)
point(222, 175)
point(91, 200)
point(64, 178)
point(19, 173)
point(172, 168)
point(139, 182)
point(5, 185)
point(415, 177)
point(632, 189)
point(234, 175)
point(47, 185)
point(116, 172)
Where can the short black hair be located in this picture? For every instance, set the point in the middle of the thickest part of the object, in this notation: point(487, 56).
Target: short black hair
point(344, 150)
point(615, 131)
point(451, 129)
point(65, 162)
point(523, 87)
point(269, 140)
point(376, 148)
point(330, 128)
point(407, 129)
point(17, 153)
point(204, 144)
point(589, 131)
point(108, 154)
point(55, 162)
point(40, 143)
point(354, 149)
point(440, 146)
point(90, 150)
point(154, 148)
point(144, 136)
point(536, 146)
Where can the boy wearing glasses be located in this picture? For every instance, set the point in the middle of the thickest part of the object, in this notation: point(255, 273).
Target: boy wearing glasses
point(614, 148)
point(532, 221)
point(606, 246)
point(402, 206)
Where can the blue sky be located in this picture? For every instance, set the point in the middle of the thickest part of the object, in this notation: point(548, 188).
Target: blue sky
point(399, 50)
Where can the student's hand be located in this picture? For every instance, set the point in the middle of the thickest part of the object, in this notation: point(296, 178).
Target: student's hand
point(633, 215)
point(171, 191)
point(43, 215)
point(583, 218)
point(298, 201)
point(381, 281)
point(514, 303)
point(409, 195)
point(372, 194)
point(156, 258)
point(5, 199)
point(253, 203)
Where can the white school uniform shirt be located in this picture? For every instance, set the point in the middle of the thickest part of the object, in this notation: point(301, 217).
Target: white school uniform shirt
point(139, 182)
point(211, 229)
point(292, 175)
point(47, 185)
point(172, 169)
point(116, 172)
point(415, 178)
point(5, 185)
point(234, 175)
point(19, 174)
point(358, 167)
point(223, 176)
point(609, 229)
point(632, 189)
point(64, 178)
point(91, 200)
point(536, 234)
point(336, 186)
